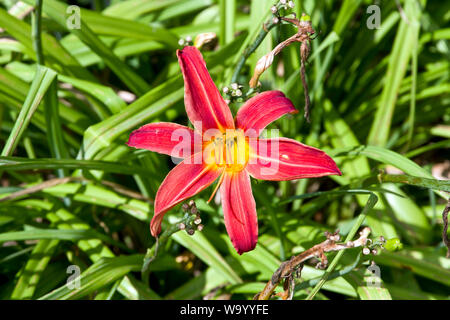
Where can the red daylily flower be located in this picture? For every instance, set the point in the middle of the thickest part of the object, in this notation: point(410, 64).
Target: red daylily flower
point(232, 153)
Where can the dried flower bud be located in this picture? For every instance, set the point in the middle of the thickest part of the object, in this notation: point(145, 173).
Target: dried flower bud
point(261, 66)
point(190, 232)
point(182, 226)
point(203, 38)
point(194, 210)
point(185, 207)
point(191, 203)
point(227, 101)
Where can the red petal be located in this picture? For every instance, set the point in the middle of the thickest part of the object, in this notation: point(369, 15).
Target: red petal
point(202, 99)
point(239, 210)
point(184, 181)
point(287, 159)
point(167, 138)
point(263, 109)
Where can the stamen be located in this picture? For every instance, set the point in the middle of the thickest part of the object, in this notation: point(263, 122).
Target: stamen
point(217, 186)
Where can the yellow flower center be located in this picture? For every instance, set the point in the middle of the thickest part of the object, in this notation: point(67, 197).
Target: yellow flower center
point(229, 151)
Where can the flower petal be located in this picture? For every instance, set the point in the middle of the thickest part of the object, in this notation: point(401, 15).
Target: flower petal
point(167, 138)
point(263, 109)
point(202, 99)
point(239, 210)
point(184, 181)
point(287, 159)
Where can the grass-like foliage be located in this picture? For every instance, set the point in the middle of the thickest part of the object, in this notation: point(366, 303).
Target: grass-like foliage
point(76, 81)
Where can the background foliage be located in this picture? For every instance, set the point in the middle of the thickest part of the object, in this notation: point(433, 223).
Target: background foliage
point(74, 194)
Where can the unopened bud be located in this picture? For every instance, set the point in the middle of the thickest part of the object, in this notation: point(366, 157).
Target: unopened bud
point(275, 20)
point(261, 66)
point(234, 86)
point(191, 203)
point(366, 251)
point(190, 232)
point(197, 221)
point(200, 227)
point(203, 38)
point(194, 210)
point(188, 39)
point(274, 9)
point(283, 1)
point(225, 90)
point(374, 251)
point(182, 226)
point(291, 4)
point(181, 42)
point(185, 207)
point(238, 92)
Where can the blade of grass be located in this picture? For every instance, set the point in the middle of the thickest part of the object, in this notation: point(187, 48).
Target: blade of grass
point(41, 82)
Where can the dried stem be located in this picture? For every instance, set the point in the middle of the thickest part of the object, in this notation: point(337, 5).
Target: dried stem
point(288, 268)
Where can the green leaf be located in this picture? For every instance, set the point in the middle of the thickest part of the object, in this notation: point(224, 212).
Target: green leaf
point(97, 276)
point(41, 82)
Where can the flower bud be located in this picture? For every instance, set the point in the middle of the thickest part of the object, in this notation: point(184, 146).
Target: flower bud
point(275, 20)
point(203, 38)
point(225, 90)
point(261, 66)
point(234, 86)
point(181, 42)
point(283, 1)
point(200, 227)
point(274, 9)
point(182, 226)
point(188, 39)
point(197, 221)
point(291, 4)
point(366, 251)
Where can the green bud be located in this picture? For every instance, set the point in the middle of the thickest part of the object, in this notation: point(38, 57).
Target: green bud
point(305, 17)
point(393, 244)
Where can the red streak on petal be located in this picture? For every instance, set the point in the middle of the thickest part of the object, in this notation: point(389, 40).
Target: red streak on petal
point(201, 97)
point(287, 159)
point(239, 210)
point(183, 182)
point(263, 109)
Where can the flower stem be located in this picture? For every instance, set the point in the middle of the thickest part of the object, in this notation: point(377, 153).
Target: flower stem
point(251, 48)
point(36, 32)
